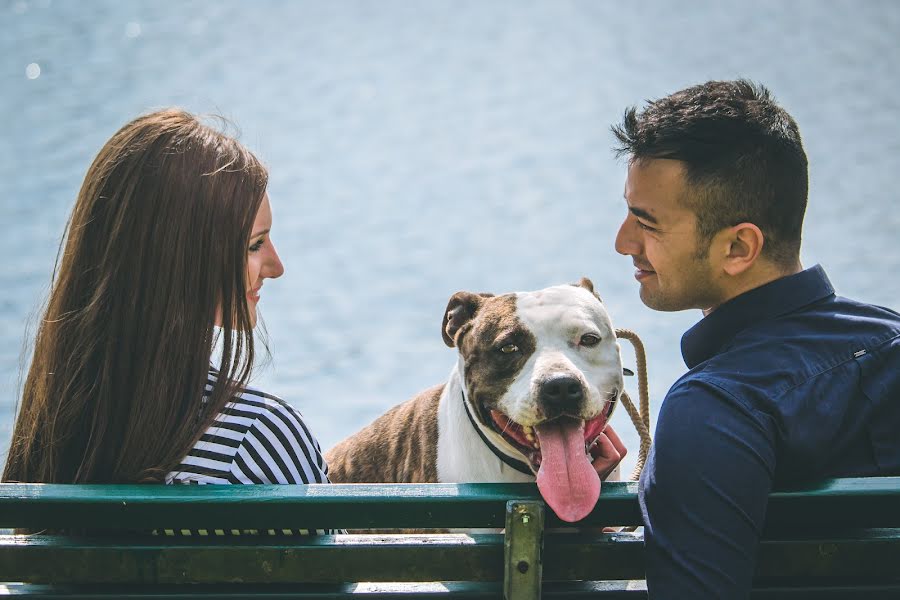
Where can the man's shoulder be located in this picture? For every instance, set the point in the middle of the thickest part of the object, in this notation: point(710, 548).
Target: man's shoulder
point(848, 312)
point(786, 351)
point(835, 315)
point(829, 352)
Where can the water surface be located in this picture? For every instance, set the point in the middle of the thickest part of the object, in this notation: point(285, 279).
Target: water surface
point(417, 149)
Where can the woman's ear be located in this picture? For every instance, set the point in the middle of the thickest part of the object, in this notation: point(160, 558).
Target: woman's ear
point(745, 243)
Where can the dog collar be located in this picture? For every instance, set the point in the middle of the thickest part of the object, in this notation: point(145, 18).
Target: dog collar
point(518, 465)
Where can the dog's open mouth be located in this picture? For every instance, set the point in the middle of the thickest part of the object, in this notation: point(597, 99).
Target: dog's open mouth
point(524, 439)
point(560, 452)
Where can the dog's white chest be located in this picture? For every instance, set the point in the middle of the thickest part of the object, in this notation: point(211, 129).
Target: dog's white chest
point(462, 456)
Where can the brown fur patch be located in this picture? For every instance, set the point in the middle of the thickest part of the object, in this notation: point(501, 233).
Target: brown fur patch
point(398, 447)
point(490, 372)
point(401, 445)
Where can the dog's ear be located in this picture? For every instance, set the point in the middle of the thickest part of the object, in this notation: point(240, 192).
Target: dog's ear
point(589, 286)
point(460, 310)
point(586, 284)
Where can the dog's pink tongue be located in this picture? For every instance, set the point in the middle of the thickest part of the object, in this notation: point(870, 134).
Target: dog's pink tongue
point(566, 478)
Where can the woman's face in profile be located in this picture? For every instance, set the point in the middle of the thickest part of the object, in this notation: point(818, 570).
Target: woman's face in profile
point(262, 258)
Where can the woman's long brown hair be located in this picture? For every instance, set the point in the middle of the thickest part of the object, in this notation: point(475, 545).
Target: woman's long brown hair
point(157, 242)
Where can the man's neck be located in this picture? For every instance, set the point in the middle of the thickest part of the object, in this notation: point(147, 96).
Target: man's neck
point(761, 273)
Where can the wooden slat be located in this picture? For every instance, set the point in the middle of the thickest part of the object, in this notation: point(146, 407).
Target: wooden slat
point(585, 590)
point(117, 507)
point(867, 554)
point(429, 591)
point(849, 502)
point(863, 502)
point(872, 555)
point(593, 557)
point(630, 590)
point(407, 591)
point(320, 559)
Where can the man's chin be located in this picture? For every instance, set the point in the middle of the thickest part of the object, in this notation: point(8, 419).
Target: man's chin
point(653, 299)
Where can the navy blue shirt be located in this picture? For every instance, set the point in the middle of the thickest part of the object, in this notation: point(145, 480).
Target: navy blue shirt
point(787, 382)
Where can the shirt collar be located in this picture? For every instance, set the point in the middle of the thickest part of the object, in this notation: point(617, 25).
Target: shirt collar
point(776, 298)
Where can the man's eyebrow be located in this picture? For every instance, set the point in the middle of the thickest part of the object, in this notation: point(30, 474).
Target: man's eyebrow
point(259, 233)
point(642, 214)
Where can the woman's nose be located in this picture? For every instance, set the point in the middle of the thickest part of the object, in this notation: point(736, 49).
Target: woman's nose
point(274, 267)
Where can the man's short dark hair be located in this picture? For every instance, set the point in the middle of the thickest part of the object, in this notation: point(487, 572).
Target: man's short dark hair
point(744, 160)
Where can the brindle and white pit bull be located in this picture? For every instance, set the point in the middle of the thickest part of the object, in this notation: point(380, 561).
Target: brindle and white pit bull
point(542, 374)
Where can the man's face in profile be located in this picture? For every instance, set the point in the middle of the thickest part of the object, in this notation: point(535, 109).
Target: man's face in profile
point(660, 234)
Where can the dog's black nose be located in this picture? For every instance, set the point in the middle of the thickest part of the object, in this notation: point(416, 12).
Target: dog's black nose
point(561, 391)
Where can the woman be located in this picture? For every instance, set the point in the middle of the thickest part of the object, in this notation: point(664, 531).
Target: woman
point(160, 269)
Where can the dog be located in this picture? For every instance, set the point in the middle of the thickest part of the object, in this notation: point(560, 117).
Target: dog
point(537, 378)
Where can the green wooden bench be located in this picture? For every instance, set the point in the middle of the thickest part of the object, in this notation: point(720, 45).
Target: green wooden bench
point(840, 538)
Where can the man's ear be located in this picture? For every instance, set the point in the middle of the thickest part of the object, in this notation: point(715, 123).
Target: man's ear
point(744, 245)
point(460, 310)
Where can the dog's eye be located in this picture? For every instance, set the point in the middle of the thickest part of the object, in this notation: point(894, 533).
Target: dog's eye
point(590, 340)
point(509, 348)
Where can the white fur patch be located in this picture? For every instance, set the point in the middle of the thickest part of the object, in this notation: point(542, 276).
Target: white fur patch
point(558, 317)
point(462, 456)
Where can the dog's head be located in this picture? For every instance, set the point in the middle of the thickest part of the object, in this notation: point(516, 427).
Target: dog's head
point(542, 374)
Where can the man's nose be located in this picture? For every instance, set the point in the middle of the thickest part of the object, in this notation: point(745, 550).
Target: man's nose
point(627, 240)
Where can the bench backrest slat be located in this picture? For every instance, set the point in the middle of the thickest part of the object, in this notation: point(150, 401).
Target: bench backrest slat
point(394, 506)
point(445, 557)
point(863, 502)
point(321, 559)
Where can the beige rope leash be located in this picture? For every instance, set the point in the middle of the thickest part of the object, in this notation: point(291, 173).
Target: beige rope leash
point(640, 418)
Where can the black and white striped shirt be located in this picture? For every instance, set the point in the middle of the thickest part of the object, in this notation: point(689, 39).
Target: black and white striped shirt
point(257, 438)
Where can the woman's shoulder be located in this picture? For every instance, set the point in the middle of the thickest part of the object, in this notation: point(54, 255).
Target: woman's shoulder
point(263, 401)
point(256, 437)
point(251, 400)
point(258, 413)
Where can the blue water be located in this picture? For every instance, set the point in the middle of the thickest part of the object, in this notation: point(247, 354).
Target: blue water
point(420, 148)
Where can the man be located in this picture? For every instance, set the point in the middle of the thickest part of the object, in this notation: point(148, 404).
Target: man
point(786, 380)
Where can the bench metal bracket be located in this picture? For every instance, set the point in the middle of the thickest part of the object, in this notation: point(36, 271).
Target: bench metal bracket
point(523, 547)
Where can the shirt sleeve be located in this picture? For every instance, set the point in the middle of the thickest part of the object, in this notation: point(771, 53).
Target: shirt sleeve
point(279, 448)
point(703, 493)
